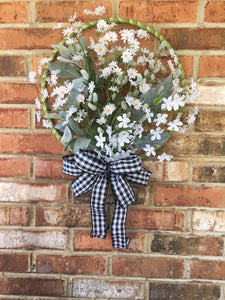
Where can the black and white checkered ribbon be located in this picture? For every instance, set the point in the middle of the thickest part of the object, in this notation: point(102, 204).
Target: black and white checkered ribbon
point(94, 173)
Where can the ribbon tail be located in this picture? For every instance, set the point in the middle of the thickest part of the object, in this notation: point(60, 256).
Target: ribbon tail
point(122, 190)
point(98, 214)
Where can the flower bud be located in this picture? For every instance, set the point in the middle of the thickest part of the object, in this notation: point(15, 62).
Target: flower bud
point(92, 106)
point(139, 78)
point(95, 97)
point(124, 105)
point(85, 74)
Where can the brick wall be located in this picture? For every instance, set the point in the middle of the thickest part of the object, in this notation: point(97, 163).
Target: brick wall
point(177, 225)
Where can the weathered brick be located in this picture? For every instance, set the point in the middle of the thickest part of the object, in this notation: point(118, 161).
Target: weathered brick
point(208, 221)
point(210, 121)
point(49, 168)
point(155, 219)
point(187, 291)
point(14, 118)
point(203, 144)
point(167, 171)
point(160, 11)
point(195, 38)
point(56, 11)
point(33, 192)
point(189, 196)
point(187, 245)
point(63, 216)
point(31, 286)
point(27, 239)
point(215, 11)
point(14, 167)
point(19, 93)
point(209, 173)
point(15, 216)
point(208, 269)
point(14, 143)
point(28, 38)
point(12, 262)
point(152, 267)
point(75, 264)
point(187, 64)
point(13, 12)
point(113, 289)
point(211, 95)
point(12, 65)
point(83, 242)
point(211, 66)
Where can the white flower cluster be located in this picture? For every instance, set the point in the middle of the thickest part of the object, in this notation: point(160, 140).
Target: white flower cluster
point(121, 96)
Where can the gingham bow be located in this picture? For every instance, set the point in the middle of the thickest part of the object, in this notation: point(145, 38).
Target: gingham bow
point(95, 173)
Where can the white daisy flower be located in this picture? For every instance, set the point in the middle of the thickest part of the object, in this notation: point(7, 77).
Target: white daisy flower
point(164, 156)
point(37, 102)
point(109, 109)
point(80, 98)
point(134, 43)
point(127, 56)
point(102, 26)
point(126, 35)
point(100, 10)
point(191, 119)
point(67, 31)
point(46, 123)
point(142, 34)
point(72, 18)
point(38, 115)
point(101, 121)
point(144, 86)
point(132, 73)
point(106, 72)
point(137, 104)
point(100, 49)
point(111, 36)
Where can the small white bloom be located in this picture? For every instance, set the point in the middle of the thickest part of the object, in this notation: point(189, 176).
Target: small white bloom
point(91, 87)
point(106, 72)
point(109, 109)
point(67, 31)
point(38, 115)
point(80, 98)
point(38, 103)
point(45, 93)
point(58, 26)
point(142, 34)
point(137, 104)
point(156, 134)
point(46, 123)
point(123, 138)
point(167, 103)
point(72, 18)
point(149, 150)
point(138, 129)
point(100, 10)
point(129, 100)
point(132, 73)
point(178, 101)
point(161, 119)
point(70, 41)
point(100, 140)
point(102, 25)
point(126, 35)
point(111, 36)
point(113, 88)
point(127, 56)
point(124, 121)
point(118, 71)
point(149, 115)
point(32, 76)
point(134, 43)
point(144, 87)
point(183, 129)
point(164, 156)
point(101, 121)
point(191, 119)
point(100, 49)
point(174, 125)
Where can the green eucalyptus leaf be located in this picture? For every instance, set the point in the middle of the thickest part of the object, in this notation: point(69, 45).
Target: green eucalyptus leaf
point(60, 126)
point(75, 127)
point(53, 116)
point(66, 70)
point(67, 136)
point(81, 143)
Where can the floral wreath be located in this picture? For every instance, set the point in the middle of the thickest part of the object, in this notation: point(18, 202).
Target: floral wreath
point(110, 98)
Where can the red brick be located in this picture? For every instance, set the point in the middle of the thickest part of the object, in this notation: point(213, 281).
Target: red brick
point(210, 121)
point(208, 220)
point(185, 291)
point(187, 64)
point(13, 12)
point(187, 245)
point(195, 38)
point(182, 145)
point(76, 264)
point(28, 239)
point(31, 286)
point(14, 167)
point(55, 11)
point(209, 173)
point(63, 216)
point(83, 242)
point(167, 171)
point(211, 66)
point(215, 11)
point(14, 118)
point(189, 196)
point(105, 288)
point(152, 267)
point(33, 192)
point(15, 216)
point(28, 39)
point(12, 65)
point(50, 168)
point(160, 11)
point(19, 93)
point(12, 262)
point(208, 269)
point(15, 143)
point(155, 219)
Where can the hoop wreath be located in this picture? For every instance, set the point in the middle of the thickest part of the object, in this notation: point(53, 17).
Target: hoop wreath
point(90, 25)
